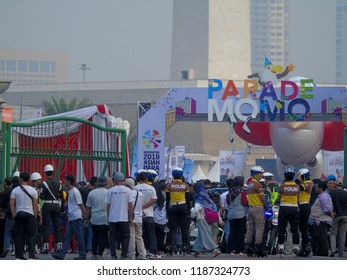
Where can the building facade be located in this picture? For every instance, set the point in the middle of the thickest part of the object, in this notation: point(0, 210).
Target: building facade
point(33, 67)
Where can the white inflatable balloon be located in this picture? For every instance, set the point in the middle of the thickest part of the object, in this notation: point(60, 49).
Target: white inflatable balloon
point(296, 143)
point(315, 167)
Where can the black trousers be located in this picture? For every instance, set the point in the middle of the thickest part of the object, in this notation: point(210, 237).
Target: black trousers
point(160, 236)
point(24, 228)
point(322, 239)
point(288, 214)
point(51, 213)
point(99, 240)
point(305, 211)
point(124, 235)
point(148, 235)
point(237, 235)
point(178, 218)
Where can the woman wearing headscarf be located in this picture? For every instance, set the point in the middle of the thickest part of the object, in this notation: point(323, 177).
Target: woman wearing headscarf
point(236, 216)
point(204, 241)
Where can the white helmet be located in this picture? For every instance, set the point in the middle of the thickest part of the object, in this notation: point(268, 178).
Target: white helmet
point(152, 171)
point(16, 174)
point(256, 169)
point(48, 167)
point(268, 174)
point(304, 172)
point(35, 176)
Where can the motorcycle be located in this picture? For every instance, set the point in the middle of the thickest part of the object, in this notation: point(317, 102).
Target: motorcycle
point(272, 234)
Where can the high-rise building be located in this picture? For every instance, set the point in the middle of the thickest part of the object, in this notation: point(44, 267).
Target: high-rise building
point(269, 32)
point(228, 39)
point(210, 39)
point(33, 67)
point(341, 41)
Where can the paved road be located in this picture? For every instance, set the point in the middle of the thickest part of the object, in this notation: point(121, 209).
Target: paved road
point(191, 257)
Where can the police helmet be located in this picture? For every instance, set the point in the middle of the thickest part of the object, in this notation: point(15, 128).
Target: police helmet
point(288, 170)
point(268, 174)
point(177, 172)
point(151, 174)
point(304, 172)
point(256, 169)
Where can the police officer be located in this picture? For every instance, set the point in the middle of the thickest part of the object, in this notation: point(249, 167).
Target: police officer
point(289, 211)
point(305, 210)
point(256, 219)
point(52, 197)
point(177, 208)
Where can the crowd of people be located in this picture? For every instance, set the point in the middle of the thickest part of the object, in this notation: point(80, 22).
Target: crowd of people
point(142, 217)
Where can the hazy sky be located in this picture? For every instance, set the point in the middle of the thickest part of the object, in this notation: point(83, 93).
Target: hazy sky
point(119, 40)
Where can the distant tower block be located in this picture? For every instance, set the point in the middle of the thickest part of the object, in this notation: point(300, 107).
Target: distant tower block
point(210, 39)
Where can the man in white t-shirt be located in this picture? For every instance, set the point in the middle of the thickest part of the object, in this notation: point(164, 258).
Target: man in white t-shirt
point(149, 198)
point(76, 213)
point(24, 209)
point(96, 210)
point(119, 201)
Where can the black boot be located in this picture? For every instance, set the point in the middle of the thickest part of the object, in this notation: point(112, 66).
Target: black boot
point(260, 251)
point(305, 250)
point(184, 249)
point(249, 250)
point(168, 250)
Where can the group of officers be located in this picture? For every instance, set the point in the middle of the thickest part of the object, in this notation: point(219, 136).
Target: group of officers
point(293, 197)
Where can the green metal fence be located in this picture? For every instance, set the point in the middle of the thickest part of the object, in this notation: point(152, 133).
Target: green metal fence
point(72, 145)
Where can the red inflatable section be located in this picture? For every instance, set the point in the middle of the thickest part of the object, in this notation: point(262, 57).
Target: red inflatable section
point(260, 133)
point(333, 136)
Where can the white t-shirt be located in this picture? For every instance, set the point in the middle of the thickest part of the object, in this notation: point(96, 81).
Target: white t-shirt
point(138, 207)
point(149, 193)
point(159, 215)
point(74, 200)
point(23, 201)
point(119, 198)
point(96, 203)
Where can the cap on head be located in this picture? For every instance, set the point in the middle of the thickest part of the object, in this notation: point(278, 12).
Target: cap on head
point(35, 176)
point(331, 178)
point(48, 168)
point(102, 181)
point(16, 174)
point(130, 182)
point(118, 176)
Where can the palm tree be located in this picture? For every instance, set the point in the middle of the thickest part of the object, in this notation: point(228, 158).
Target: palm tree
point(61, 106)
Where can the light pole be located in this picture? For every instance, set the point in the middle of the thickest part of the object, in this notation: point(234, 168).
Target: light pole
point(84, 68)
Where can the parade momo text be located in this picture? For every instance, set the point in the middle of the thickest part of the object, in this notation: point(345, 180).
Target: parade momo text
point(288, 100)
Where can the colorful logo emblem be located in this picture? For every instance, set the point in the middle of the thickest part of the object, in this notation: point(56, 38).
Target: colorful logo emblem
point(151, 138)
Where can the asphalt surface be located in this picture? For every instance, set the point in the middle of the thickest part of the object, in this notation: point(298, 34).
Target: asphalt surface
point(206, 256)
